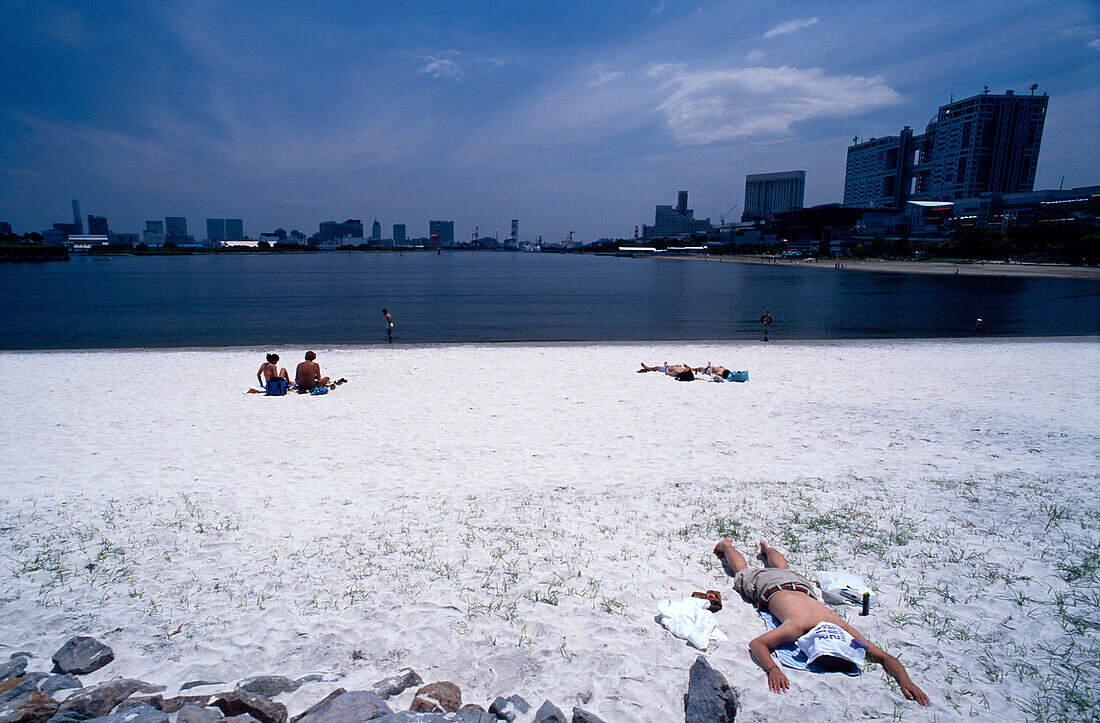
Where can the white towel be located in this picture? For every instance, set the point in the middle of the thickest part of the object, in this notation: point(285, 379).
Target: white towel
point(690, 620)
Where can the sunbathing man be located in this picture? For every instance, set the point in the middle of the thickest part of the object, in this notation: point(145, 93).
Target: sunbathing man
point(681, 372)
point(791, 599)
point(270, 370)
point(714, 370)
point(308, 374)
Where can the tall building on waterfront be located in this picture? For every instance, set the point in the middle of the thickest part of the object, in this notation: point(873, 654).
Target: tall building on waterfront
point(399, 234)
point(234, 229)
point(215, 230)
point(154, 226)
point(768, 193)
point(332, 231)
point(981, 144)
point(76, 217)
point(678, 221)
point(97, 226)
point(442, 232)
point(515, 230)
point(376, 231)
point(175, 225)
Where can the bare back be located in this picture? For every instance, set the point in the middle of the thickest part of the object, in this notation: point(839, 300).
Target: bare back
point(307, 375)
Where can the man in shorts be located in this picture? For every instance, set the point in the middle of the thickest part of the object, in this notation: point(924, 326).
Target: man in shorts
point(791, 598)
point(308, 374)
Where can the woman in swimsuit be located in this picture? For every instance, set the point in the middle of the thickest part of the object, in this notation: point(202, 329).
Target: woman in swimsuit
point(270, 370)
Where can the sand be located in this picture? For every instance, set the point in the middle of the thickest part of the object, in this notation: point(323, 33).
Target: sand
point(943, 268)
point(508, 517)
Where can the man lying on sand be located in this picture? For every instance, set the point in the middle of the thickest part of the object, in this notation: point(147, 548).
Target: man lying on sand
point(791, 599)
point(718, 370)
point(682, 372)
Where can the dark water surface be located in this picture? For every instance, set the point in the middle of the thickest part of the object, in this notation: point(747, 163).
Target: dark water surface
point(336, 298)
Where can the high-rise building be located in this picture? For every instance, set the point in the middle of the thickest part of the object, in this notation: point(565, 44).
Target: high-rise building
point(768, 193)
point(331, 231)
point(442, 232)
point(376, 231)
point(175, 225)
point(399, 234)
point(234, 229)
point(982, 144)
point(154, 226)
point(215, 230)
point(97, 226)
point(515, 230)
point(76, 216)
point(679, 221)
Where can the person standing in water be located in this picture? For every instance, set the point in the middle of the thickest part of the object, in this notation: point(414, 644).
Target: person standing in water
point(766, 321)
point(389, 325)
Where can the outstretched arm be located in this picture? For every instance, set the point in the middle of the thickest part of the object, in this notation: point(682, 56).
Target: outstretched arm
point(761, 650)
point(892, 666)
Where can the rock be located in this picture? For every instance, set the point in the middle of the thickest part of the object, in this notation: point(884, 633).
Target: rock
point(173, 704)
point(191, 713)
point(580, 715)
point(196, 683)
point(549, 713)
point(257, 706)
point(269, 686)
point(242, 718)
point(135, 714)
point(397, 683)
point(20, 654)
point(13, 688)
point(136, 701)
point(509, 708)
point(13, 668)
point(99, 700)
point(82, 655)
point(709, 698)
point(347, 707)
point(32, 707)
point(54, 683)
point(442, 697)
point(410, 716)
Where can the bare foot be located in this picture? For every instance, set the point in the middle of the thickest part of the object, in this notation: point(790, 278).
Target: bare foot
point(723, 545)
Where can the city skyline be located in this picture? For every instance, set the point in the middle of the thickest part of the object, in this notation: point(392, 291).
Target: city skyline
point(572, 118)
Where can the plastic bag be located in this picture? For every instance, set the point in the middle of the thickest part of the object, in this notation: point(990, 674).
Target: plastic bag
point(842, 587)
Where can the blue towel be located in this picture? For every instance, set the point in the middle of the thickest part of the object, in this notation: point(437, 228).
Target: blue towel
point(319, 390)
point(789, 655)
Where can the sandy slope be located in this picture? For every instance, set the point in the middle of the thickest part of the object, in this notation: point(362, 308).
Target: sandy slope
point(509, 516)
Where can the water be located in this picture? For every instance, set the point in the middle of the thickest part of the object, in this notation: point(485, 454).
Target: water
point(319, 299)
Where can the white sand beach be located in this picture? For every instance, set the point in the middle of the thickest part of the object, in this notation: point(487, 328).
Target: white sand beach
point(508, 517)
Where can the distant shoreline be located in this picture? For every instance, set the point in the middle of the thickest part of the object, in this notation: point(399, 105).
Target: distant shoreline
point(943, 268)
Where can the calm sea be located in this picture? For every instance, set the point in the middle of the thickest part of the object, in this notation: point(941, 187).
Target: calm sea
point(268, 300)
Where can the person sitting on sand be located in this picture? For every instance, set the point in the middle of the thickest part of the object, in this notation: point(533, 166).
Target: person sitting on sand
point(680, 372)
point(270, 370)
point(791, 599)
point(308, 374)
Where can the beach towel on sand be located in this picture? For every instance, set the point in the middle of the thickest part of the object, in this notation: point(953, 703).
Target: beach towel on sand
point(789, 655)
point(690, 620)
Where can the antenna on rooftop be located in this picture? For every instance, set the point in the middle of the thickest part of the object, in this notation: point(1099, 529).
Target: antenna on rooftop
point(985, 90)
point(1033, 87)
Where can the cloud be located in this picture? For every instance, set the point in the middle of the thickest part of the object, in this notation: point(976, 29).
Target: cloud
point(711, 106)
point(1094, 44)
point(442, 68)
point(754, 56)
point(600, 74)
point(454, 64)
point(790, 26)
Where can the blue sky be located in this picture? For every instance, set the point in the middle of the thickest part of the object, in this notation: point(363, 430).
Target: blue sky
point(567, 116)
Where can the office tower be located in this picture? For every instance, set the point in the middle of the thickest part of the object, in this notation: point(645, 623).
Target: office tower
point(669, 221)
point(97, 226)
point(515, 230)
point(768, 193)
point(234, 229)
point(154, 226)
point(76, 217)
point(443, 231)
point(399, 234)
point(331, 231)
point(981, 144)
point(376, 231)
point(175, 225)
point(215, 229)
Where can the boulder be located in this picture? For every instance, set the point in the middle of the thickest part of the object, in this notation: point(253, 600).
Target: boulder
point(441, 697)
point(196, 683)
point(191, 713)
point(397, 683)
point(410, 716)
point(99, 700)
point(709, 698)
point(549, 713)
point(580, 715)
point(319, 705)
point(176, 702)
point(137, 701)
point(509, 708)
point(262, 709)
point(31, 707)
point(352, 706)
point(242, 718)
point(135, 714)
point(81, 655)
point(55, 683)
point(13, 668)
point(13, 688)
point(269, 686)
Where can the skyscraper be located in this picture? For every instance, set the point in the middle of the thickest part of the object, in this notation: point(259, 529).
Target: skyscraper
point(234, 229)
point(399, 234)
point(515, 230)
point(442, 231)
point(376, 231)
point(679, 221)
point(215, 230)
point(768, 193)
point(97, 226)
point(76, 217)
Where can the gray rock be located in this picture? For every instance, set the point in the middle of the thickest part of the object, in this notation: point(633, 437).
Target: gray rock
point(709, 699)
point(21, 654)
point(509, 708)
point(31, 707)
point(269, 686)
point(319, 705)
point(411, 716)
point(311, 678)
point(82, 655)
point(196, 683)
point(13, 668)
point(135, 714)
point(242, 718)
point(191, 713)
point(54, 683)
point(13, 688)
point(99, 700)
point(549, 713)
point(352, 706)
point(173, 704)
point(580, 715)
point(262, 709)
point(397, 683)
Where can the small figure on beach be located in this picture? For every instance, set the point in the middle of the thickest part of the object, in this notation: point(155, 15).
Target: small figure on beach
point(766, 321)
point(790, 597)
point(270, 370)
point(715, 370)
point(680, 372)
point(308, 374)
point(389, 324)
point(978, 326)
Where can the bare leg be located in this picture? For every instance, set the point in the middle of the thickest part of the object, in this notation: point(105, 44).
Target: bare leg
point(322, 382)
point(773, 557)
point(284, 375)
point(646, 369)
point(734, 559)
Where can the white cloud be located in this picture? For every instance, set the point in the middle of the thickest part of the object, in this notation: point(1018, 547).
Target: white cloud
point(454, 64)
point(790, 26)
point(711, 106)
point(442, 68)
point(1095, 44)
point(754, 56)
point(600, 74)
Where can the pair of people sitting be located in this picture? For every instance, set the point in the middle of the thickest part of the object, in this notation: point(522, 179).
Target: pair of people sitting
point(685, 373)
point(274, 381)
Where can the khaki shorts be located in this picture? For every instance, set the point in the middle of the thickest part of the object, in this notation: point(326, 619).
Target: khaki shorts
point(752, 581)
